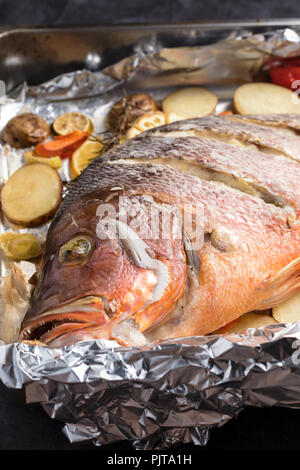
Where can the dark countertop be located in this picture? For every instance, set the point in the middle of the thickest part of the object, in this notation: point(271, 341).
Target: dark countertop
point(24, 427)
point(27, 426)
point(141, 11)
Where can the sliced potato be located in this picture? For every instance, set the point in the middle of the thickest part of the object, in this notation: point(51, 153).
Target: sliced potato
point(20, 246)
point(70, 122)
point(248, 320)
point(265, 98)
point(173, 117)
point(288, 311)
point(190, 102)
point(25, 130)
point(32, 157)
point(31, 195)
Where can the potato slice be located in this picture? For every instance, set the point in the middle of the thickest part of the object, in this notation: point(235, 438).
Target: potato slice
point(32, 157)
point(190, 102)
point(248, 320)
point(31, 195)
point(288, 311)
point(20, 246)
point(265, 98)
point(173, 117)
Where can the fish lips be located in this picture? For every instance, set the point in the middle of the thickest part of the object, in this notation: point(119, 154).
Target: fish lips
point(76, 315)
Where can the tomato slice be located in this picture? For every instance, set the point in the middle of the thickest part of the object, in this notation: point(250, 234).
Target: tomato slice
point(286, 75)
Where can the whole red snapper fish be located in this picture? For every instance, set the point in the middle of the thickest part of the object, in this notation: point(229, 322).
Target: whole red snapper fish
point(177, 232)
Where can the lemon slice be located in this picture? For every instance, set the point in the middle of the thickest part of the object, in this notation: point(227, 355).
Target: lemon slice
point(131, 133)
point(32, 157)
point(83, 156)
point(69, 122)
point(147, 121)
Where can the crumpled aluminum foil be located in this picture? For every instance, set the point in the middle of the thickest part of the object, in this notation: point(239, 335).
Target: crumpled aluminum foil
point(229, 62)
point(169, 392)
point(159, 395)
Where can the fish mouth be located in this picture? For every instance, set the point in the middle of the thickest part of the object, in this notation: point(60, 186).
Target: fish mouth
point(81, 314)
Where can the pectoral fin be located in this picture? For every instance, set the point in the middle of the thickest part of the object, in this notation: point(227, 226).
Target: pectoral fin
point(280, 286)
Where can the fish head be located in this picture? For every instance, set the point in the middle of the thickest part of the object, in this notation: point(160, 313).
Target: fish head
point(101, 279)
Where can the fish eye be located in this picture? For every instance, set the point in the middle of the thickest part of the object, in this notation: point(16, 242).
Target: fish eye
point(75, 250)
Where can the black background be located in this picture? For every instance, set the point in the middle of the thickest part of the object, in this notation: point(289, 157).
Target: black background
point(141, 11)
point(27, 426)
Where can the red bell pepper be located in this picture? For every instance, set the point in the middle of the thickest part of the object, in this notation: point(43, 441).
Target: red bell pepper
point(291, 61)
point(286, 75)
point(63, 146)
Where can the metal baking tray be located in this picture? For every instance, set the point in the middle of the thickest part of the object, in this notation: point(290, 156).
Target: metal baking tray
point(37, 54)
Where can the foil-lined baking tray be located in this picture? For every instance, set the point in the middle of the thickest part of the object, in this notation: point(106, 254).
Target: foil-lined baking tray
point(174, 391)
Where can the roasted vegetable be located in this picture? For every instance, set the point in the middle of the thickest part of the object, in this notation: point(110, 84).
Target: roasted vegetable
point(32, 157)
point(125, 112)
point(63, 146)
point(70, 122)
point(145, 122)
point(31, 195)
point(172, 117)
point(288, 311)
point(20, 246)
point(248, 320)
point(15, 292)
point(132, 132)
point(87, 152)
point(25, 130)
point(226, 113)
point(265, 98)
point(286, 75)
point(190, 102)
